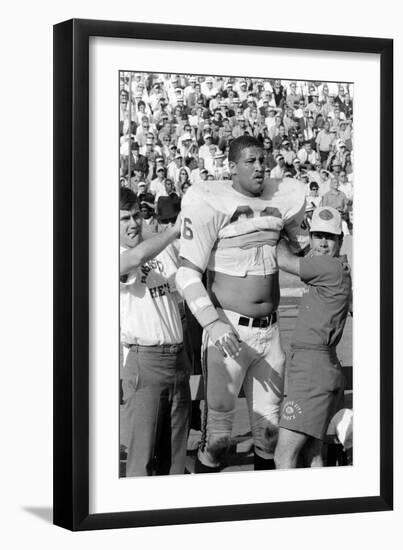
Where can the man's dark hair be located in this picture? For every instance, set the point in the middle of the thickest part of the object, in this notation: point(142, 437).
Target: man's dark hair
point(239, 144)
point(313, 185)
point(127, 199)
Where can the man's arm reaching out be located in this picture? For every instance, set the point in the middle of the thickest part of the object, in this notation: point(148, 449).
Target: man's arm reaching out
point(148, 249)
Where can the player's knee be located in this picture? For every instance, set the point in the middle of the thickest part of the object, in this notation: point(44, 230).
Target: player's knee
point(266, 435)
point(217, 446)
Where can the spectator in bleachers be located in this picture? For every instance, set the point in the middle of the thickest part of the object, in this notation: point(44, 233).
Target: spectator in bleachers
point(307, 154)
point(293, 97)
point(313, 199)
point(270, 120)
point(334, 197)
point(324, 141)
point(183, 178)
point(167, 200)
point(289, 120)
point(324, 181)
point(274, 129)
point(346, 186)
point(135, 160)
point(220, 171)
point(288, 153)
point(280, 168)
point(310, 132)
point(147, 211)
point(175, 167)
point(344, 133)
point(268, 153)
point(278, 94)
point(314, 106)
point(157, 185)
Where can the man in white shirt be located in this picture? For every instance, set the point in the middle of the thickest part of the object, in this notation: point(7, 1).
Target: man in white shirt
point(306, 154)
point(158, 184)
point(155, 376)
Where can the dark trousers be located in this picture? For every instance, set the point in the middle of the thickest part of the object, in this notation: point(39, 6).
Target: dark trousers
point(157, 402)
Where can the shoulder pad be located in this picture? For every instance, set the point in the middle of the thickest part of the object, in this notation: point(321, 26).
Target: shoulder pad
point(288, 194)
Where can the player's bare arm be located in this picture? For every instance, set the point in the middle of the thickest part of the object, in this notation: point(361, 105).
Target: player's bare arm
point(224, 336)
point(148, 249)
point(287, 261)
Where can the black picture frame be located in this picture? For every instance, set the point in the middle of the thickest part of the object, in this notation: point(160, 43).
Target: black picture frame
point(71, 274)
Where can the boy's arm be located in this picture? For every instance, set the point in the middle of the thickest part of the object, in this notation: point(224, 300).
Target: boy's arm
point(287, 261)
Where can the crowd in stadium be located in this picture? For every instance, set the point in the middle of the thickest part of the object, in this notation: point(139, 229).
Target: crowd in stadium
point(175, 131)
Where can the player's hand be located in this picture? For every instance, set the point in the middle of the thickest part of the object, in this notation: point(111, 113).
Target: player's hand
point(225, 338)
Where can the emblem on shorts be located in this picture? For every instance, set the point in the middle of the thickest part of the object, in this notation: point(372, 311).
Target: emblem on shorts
point(325, 215)
point(291, 410)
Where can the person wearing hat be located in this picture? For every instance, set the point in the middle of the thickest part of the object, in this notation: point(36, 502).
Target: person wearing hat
point(288, 153)
point(158, 183)
point(187, 145)
point(220, 171)
point(315, 382)
point(270, 120)
point(314, 106)
point(204, 150)
point(147, 212)
point(242, 90)
point(296, 169)
point(208, 88)
point(195, 174)
point(134, 161)
point(155, 375)
point(280, 168)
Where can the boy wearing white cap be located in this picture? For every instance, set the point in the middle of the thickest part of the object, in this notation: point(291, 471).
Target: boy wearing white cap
point(315, 380)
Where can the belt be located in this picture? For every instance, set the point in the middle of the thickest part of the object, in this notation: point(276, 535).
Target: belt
point(163, 348)
point(260, 322)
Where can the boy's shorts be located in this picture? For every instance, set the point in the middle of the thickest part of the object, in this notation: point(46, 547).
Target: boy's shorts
point(315, 391)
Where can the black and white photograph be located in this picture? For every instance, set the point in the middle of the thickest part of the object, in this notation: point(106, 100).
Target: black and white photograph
point(236, 227)
point(214, 239)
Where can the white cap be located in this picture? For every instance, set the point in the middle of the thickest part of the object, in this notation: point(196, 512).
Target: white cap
point(326, 219)
point(341, 425)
